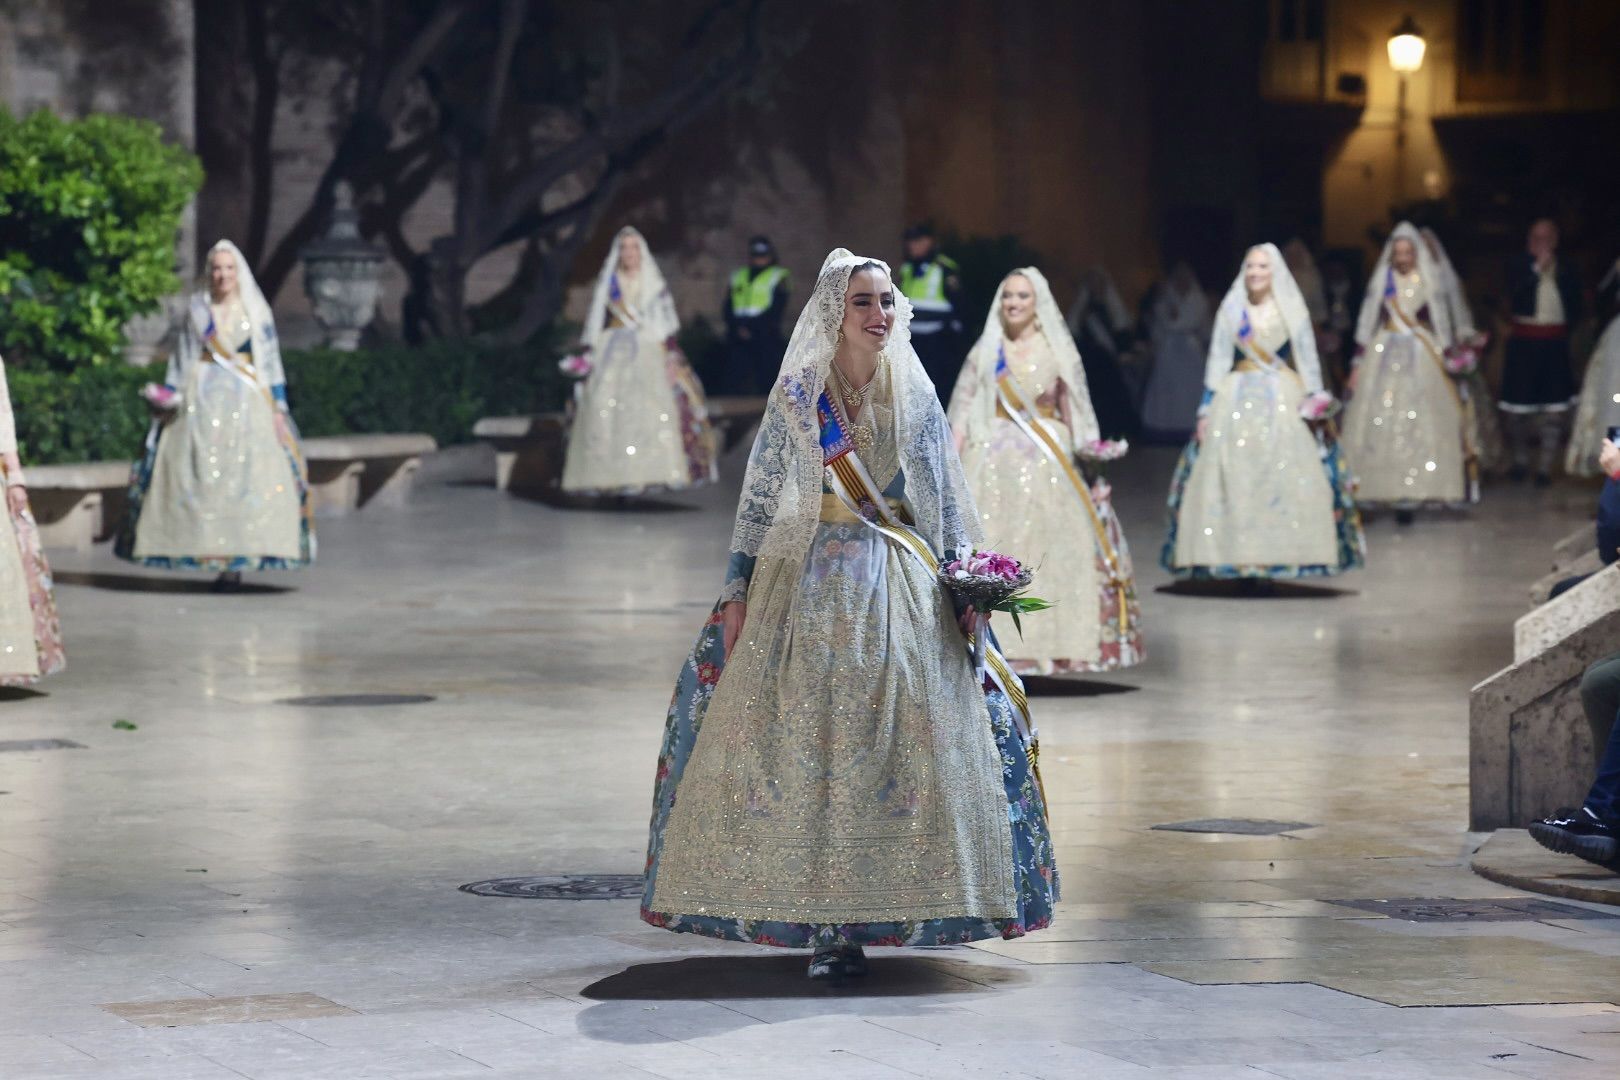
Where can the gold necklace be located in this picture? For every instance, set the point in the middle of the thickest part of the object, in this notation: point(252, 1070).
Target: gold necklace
point(854, 402)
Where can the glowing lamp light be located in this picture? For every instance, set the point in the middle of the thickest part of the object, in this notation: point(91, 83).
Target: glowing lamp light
point(1406, 47)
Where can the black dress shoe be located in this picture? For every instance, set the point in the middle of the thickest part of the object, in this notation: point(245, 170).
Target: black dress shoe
point(1580, 833)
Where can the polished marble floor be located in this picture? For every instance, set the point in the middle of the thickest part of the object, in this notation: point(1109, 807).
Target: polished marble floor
point(241, 887)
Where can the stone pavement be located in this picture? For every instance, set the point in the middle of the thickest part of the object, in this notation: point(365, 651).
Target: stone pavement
point(247, 887)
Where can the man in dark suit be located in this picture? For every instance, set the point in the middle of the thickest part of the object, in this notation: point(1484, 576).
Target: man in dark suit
point(1538, 387)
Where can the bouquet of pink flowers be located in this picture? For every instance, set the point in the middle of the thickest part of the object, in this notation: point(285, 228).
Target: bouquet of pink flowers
point(1462, 359)
point(988, 581)
point(576, 365)
point(160, 397)
point(1104, 449)
point(1319, 405)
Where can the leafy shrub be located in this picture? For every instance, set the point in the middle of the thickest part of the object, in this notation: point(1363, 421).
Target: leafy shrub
point(441, 388)
point(96, 413)
point(89, 210)
point(91, 414)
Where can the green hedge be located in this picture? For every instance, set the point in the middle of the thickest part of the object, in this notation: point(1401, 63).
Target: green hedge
point(89, 210)
point(441, 388)
point(96, 413)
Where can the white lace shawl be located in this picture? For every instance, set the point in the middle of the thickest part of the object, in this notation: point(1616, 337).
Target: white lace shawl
point(1296, 317)
point(973, 403)
point(1456, 299)
point(1429, 273)
point(267, 367)
point(654, 310)
point(780, 505)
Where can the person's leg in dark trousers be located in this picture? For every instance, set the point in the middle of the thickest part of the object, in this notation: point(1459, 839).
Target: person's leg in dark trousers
point(1600, 697)
point(1592, 832)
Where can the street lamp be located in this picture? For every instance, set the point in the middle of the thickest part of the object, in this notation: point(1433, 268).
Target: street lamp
point(1406, 49)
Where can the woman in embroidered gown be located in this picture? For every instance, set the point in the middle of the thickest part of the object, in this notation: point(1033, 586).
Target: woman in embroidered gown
point(1487, 431)
point(1258, 493)
point(842, 778)
point(1408, 428)
point(1599, 406)
point(1179, 330)
point(1101, 326)
point(640, 422)
point(222, 486)
point(1021, 411)
point(30, 635)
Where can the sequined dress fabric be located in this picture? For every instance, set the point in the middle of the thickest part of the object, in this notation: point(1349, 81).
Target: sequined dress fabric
point(1402, 429)
point(223, 486)
point(843, 777)
point(640, 422)
point(1031, 511)
point(1260, 497)
point(30, 632)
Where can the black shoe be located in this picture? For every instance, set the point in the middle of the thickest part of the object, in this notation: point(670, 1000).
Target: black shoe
point(1580, 833)
point(843, 962)
point(228, 582)
point(1543, 480)
point(1404, 517)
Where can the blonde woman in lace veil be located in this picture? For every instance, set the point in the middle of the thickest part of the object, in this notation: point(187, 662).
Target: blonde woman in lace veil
point(1599, 405)
point(1409, 426)
point(222, 486)
point(843, 779)
point(1260, 492)
point(1018, 450)
point(30, 633)
point(640, 422)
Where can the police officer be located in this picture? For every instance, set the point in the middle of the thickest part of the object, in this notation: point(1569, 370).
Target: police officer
point(932, 281)
point(754, 304)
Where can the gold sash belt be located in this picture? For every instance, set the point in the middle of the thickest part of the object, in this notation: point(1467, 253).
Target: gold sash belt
point(833, 511)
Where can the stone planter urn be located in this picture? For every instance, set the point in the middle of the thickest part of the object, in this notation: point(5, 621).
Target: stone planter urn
point(343, 276)
point(144, 334)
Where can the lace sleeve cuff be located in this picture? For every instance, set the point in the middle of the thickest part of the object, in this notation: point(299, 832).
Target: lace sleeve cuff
point(736, 590)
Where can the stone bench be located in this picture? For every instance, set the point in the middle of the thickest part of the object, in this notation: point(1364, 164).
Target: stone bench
point(1574, 555)
point(347, 472)
point(1529, 746)
point(529, 450)
point(78, 504)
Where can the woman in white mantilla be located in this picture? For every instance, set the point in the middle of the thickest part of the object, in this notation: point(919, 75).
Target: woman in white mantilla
point(640, 422)
point(1409, 427)
point(843, 778)
point(222, 486)
point(1178, 328)
point(1260, 491)
point(1487, 430)
point(1021, 411)
point(30, 633)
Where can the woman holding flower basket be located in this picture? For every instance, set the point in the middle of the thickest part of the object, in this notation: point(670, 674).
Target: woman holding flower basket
point(1261, 492)
point(640, 421)
point(1409, 428)
point(1021, 412)
point(223, 485)
point(834, 774)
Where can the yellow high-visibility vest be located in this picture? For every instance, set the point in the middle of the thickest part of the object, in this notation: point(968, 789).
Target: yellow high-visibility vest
point(752, 296)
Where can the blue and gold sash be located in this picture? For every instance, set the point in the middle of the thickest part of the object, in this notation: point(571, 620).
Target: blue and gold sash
point(1045, 439)
point(848, 478)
